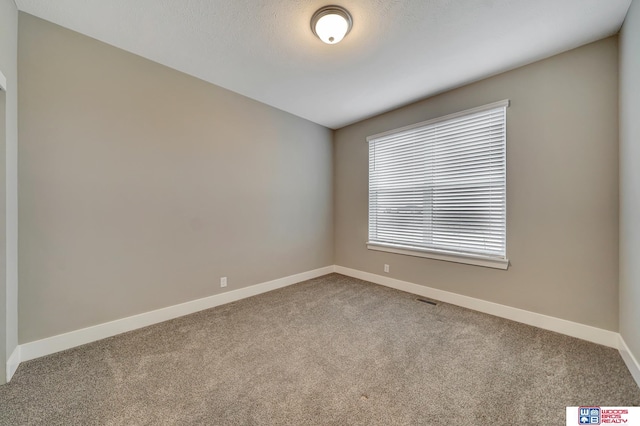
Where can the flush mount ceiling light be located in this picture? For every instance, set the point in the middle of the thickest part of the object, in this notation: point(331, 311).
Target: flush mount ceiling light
point(331, 23)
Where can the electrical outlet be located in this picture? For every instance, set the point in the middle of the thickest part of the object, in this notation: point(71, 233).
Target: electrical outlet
point(223, 282)
point(386, 268)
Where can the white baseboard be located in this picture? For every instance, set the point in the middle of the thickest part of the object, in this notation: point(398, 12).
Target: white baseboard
point(632, 363)
point(50, 345)
point(75, 338)
point(13, 362)
point(574, 329)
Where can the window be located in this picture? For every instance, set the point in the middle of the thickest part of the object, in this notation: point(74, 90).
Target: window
point(437, 189)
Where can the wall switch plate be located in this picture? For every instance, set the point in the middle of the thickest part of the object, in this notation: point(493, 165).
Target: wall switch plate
point(386, 268)
point(223, 282)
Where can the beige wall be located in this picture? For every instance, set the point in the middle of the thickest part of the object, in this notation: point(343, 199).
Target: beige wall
point(562, 189)
point(3, 282)
point(8, 184)
point(140, 186)
point(630, 179)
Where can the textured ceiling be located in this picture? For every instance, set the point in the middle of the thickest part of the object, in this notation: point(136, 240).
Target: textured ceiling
point(398, 51)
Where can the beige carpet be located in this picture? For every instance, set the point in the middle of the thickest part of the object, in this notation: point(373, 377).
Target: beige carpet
point(333, 350)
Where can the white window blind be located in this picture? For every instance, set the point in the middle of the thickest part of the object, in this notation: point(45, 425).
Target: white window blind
point(440, 186)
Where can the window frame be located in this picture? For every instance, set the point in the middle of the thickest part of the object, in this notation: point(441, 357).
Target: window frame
point(489, 261)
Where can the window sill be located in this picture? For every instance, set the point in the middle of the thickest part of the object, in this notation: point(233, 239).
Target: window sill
point(488, 262)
